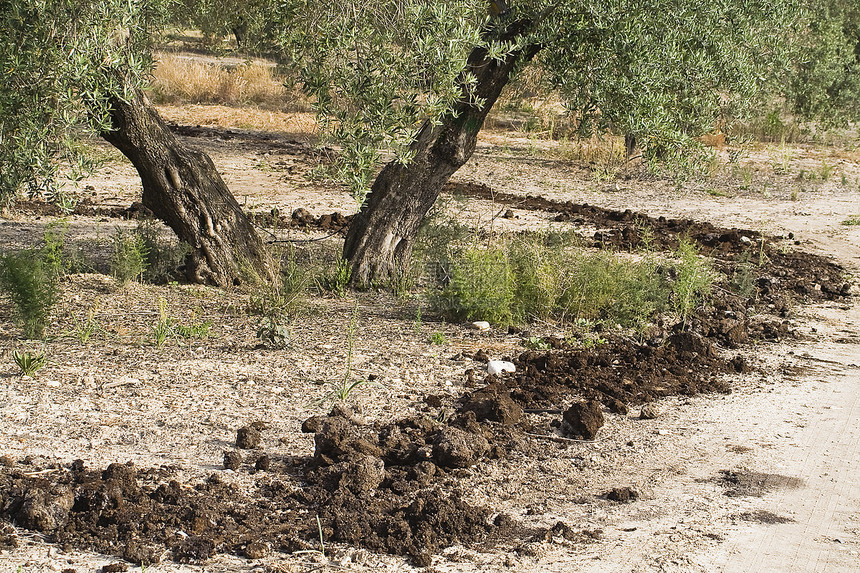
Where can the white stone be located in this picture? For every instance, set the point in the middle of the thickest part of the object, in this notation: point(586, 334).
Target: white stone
point(496, 367)
point(481, 325)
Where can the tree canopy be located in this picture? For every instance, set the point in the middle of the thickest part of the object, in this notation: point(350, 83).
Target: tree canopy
point(59, 63)
point(662, 70)
point(409, 82)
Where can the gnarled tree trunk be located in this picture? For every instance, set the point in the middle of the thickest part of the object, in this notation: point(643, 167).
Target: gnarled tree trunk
point(380, 238)
point(182, 188)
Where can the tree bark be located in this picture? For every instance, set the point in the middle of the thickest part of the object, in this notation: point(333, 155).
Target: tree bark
point(182, 188)
point(380, 238)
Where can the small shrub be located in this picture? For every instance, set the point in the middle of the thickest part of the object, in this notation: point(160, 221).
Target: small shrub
point(29, 362)
point(437, 338)
point(129, 256)
point(337, 280)
point(197, 330)
point(482, 286)
point(693, 281)
point(31, 284)
point(161, 256)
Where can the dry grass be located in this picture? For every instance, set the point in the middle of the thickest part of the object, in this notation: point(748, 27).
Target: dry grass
point(241, 117)
point(182, 79)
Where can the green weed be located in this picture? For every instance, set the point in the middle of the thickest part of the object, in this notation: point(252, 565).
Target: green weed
point(693, 281)
point(31, 283)
point(337, 280)
point(197, 330)
point(29, 362)
point(851, 220)
point(129, 256)
point(437, 338)
point(163, 329)
point(84, 329)
point(273, 332)
point(743, 277)
point(537, 343)
point(161, 256)
point(342, 389)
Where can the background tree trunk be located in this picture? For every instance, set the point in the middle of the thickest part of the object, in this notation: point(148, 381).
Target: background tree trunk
point(380, 238)
point(182, 188)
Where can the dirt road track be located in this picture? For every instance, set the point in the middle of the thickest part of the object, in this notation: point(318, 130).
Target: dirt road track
point(825, 452)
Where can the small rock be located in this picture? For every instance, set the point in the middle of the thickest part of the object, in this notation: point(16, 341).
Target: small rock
point(248, 438)
point(649, 412)
point(263, 463)
point(496, 367)
point(481, 325)
point(118, 567)
point(481, 356)
point(232, 460)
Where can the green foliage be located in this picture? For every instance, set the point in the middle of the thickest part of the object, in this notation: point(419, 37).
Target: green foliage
point(29, 362)
point(851, 220)
point(664, 71)
point(537, 343)
point(161, 257)
point(482, 286)
point(550, 277)
point(693, 281)
point(437, 338)
point(337, 280)
point(377, 71)
point(825, 81)
point(162, 331)
point(31, 283)
point(197, 330)
point(84, 329)
point(129, 256)
point(62, 63)
point(59, 254)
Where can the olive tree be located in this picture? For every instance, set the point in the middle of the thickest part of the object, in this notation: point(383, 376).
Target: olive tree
point(68, 66)
point(413, 81)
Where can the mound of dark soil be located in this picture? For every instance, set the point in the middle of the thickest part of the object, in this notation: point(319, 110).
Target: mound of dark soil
point(774, 271)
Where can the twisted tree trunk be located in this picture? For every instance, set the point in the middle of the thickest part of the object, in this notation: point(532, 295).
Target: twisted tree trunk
point(380, 238)
point(182, 188)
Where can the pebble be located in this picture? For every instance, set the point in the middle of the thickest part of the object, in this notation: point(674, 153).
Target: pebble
point(496, 367)
point(481, 325)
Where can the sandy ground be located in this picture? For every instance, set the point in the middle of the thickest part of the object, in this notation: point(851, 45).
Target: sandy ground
point(797, 421)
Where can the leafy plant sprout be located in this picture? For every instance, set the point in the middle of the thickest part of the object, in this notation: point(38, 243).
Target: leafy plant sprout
point(162, 331)
point(343, 388)
point(29, 362)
